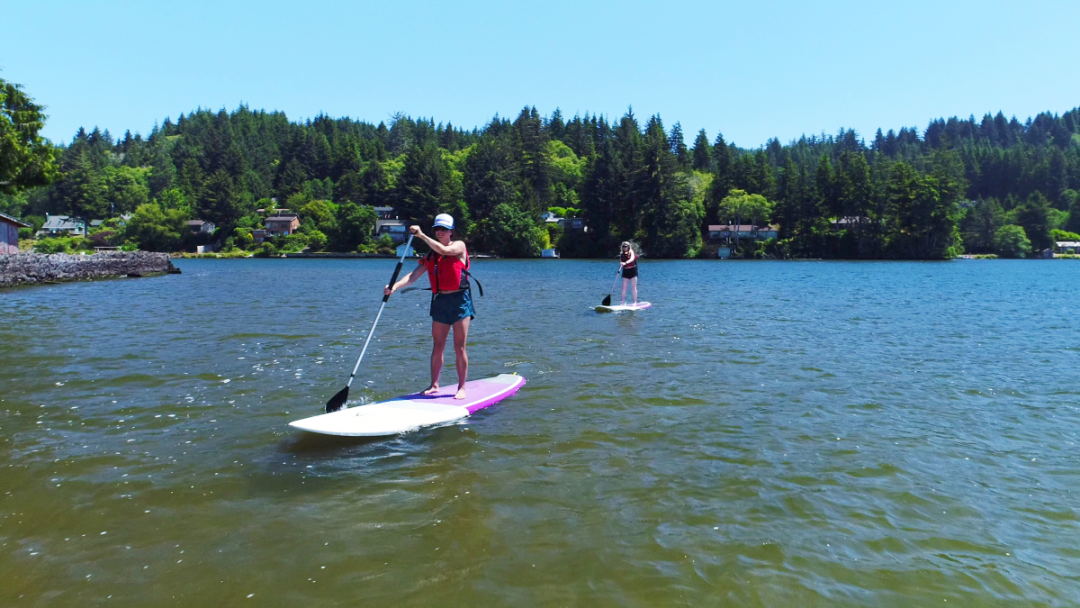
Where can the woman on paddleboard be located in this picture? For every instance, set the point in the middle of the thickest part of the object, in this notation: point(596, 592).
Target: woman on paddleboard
point(451, 299)
point(628, 263)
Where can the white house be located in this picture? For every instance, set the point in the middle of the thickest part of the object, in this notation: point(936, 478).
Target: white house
point(62, 225)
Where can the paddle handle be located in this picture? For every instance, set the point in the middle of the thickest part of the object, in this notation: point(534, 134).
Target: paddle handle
point(393, 279)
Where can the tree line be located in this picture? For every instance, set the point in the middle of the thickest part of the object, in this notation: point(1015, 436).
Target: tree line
point(993, 185)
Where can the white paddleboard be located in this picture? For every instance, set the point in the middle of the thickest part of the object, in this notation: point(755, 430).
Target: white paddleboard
point(413, 411)
point(623, 307)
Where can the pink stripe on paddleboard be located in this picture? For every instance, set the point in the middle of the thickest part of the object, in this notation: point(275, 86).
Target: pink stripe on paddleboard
point(490, 393)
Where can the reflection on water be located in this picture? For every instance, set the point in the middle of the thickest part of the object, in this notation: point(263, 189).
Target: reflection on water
point(767, 434)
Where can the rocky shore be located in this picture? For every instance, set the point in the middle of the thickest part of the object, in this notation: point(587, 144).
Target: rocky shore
point(25, 268)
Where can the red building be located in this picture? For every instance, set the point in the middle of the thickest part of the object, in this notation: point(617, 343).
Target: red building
point(9, 234)
point(282, 225)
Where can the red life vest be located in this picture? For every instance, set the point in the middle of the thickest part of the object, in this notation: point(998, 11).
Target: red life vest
point(625, 257)
point(447, 273)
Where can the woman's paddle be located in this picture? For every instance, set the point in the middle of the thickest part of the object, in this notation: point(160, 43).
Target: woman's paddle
point(338, 401)
point(607, 298)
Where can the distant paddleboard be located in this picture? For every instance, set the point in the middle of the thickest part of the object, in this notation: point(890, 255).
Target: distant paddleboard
point(623, 307)
point(413, 411)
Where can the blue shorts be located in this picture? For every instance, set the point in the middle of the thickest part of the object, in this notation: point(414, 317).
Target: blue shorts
point(450, 308)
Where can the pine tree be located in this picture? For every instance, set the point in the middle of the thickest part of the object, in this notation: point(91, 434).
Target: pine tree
point(554, 126)
point(426, 188)
point(534, 160)
point(702, 152)
point(677, 146)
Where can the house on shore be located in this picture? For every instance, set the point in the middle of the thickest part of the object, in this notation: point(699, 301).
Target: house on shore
point(573, 223)
point(282, 224)
point(9, 234)
point(396, 228)
point(201, 227)
point(62, 225)
point(727, 232)
point(1067, 246)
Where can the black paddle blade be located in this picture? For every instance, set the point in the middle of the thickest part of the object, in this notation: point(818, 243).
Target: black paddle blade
point(607, 300)
point(337, 401)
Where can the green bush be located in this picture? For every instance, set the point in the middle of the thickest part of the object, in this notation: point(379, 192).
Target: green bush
point(385, 244)
point(26, 233)
point(316, 240)
point(1012, 242)
point(290, 244)
point(154, 229)
point(56, 245)
point(268, 250)
point(1060, 235)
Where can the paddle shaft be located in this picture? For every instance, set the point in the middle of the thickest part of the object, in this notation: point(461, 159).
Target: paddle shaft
point(393, 279)
point(607, 298)
point(612, 290)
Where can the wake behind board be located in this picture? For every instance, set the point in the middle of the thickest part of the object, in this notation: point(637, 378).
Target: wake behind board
point(623, 307)
point(413, 411)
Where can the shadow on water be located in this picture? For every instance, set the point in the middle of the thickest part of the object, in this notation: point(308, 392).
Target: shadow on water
point(315, 447)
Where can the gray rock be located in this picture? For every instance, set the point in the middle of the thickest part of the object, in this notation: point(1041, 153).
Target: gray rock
point(21, 268)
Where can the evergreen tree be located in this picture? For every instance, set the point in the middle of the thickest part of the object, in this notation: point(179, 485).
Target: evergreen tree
point(491, 177)
point(980, 225)
point(1034, 217)
point(222, 203)
point(82, 191)
point(702, 153)
point(677, 146)
point(534, 160)
point(426, 188)
point(350, 188)
point(555, 127)
point(376, 183)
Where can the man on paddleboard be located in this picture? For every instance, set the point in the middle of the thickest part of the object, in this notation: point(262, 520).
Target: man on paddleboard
point(451, 298)
point(628, 262)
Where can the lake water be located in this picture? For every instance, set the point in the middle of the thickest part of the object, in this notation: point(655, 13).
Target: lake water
point(767, 434)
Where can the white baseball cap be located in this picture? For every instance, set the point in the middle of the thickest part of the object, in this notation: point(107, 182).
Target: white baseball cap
point(444, 220)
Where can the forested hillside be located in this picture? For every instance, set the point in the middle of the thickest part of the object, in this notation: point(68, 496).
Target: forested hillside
point(916, 194)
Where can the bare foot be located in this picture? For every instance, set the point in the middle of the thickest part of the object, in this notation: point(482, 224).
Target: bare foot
point(431, 390)
point(460, 393)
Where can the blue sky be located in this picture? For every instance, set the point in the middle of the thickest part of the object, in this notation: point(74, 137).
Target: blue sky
point(752, 70)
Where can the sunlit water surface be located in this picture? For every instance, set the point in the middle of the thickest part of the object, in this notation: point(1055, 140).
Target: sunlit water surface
point(767, 434)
